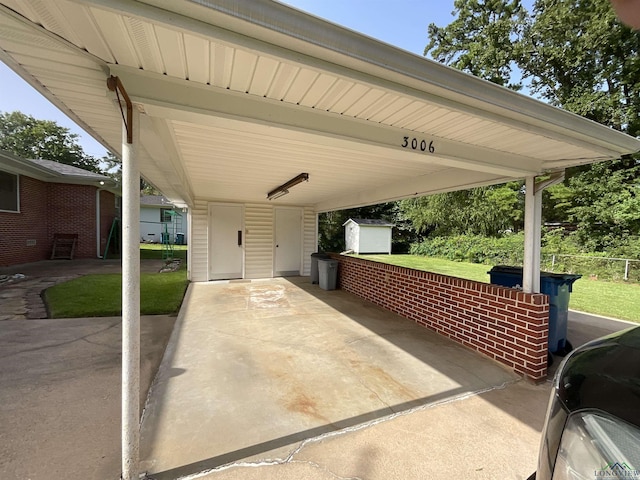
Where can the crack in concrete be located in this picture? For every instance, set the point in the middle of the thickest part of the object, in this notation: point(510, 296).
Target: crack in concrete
point(290, 458)
point(324, 469)
point(60, 344)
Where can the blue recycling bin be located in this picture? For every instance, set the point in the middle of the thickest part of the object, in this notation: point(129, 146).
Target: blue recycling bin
point(558, 286)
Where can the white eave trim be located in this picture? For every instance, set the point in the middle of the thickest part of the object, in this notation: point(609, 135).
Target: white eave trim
point(293, 29)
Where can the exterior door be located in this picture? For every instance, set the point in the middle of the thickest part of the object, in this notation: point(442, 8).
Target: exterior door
point(288, 242)
point(226, 241)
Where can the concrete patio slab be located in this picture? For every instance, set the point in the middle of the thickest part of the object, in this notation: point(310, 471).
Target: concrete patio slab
point(255, 368)
point(485, 436)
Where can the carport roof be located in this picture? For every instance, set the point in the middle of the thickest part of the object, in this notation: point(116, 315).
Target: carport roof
point(236, 97)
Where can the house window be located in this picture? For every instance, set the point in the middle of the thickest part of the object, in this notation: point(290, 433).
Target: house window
point(9, 198)
point(165, 215)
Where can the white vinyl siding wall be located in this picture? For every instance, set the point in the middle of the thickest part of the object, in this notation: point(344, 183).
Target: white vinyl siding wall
point(374, 239)
point(258, 223)
point(310, 239)
point(199, 240)
point(258, 239)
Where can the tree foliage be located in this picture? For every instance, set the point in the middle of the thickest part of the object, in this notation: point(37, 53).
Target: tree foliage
point(581, 58)
point(576, 55)
point(28, 137)
point(483, 40)
point(488, 211)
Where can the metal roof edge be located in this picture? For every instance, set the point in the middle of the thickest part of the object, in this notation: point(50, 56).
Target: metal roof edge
point(275, 19)
point(286, 27)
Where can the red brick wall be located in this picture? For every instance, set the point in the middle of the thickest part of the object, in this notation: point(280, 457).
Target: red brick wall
point(502, 323)
point(73, 210)
point(16, 229)
point(50, 208)
point(108, 212)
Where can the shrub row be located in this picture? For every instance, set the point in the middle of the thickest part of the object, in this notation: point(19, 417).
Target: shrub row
point(509, 249)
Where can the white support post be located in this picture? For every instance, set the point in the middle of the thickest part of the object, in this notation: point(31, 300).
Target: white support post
point(532, 233)
point(533, 229)
point(130, 302)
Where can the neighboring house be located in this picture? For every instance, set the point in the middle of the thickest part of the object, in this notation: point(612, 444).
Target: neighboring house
point(367, 236)
point(159, 216)
point(41, 198)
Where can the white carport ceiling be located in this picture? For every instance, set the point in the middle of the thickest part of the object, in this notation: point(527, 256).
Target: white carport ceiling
point(237, 97)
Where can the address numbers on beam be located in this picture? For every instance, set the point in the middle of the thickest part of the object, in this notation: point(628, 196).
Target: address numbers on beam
point(418, 144)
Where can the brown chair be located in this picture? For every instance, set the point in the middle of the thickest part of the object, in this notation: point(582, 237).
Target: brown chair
point(64, 245)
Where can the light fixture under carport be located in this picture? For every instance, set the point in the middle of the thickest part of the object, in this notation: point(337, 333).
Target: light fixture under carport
point(283, 189)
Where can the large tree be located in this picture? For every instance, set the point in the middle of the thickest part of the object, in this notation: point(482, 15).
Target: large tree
point(576, 55)
point(483, 40)
point(488, 211)
point(581, 58)
point(29, 137)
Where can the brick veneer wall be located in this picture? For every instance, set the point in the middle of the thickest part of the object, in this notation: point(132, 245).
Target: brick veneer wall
point(16, 229)
point(73, 210)
point(507, 325)
point(108, 212)
point(50, 208)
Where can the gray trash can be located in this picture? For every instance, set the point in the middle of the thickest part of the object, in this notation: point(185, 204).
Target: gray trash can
point(328, 273)
point(179, 238)
point(314, 265)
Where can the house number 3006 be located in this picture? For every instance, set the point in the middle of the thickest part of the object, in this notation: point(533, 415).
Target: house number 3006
point(415, 144)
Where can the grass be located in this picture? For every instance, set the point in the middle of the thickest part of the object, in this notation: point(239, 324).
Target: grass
point(101, 295)
point(610, 299)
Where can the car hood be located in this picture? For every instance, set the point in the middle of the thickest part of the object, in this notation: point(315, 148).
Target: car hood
point(604, 375)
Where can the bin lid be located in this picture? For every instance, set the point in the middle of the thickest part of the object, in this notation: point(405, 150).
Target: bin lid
point(550, 276)
point(506, 269)
point(559, 278)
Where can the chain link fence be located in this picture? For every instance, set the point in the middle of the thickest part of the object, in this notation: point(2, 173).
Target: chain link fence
point(603, 268)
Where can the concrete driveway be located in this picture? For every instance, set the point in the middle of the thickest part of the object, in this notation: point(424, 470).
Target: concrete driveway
point(263, 380)
point(324, 385)
point(60, 378)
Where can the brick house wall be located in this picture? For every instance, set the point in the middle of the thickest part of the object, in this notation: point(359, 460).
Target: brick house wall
point(108, 212)
point(50, 208)
point(23, 236)
point(507, 325)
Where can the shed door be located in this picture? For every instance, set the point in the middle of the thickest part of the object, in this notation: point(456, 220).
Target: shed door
point(288, 241)
point(226, 241)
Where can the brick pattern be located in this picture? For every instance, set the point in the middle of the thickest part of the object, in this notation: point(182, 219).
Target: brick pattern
point(17, 229)
point(50, 208)
point(507, 325)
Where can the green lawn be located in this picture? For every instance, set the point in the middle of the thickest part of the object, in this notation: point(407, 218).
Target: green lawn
point(100, 295)
point(611, 299)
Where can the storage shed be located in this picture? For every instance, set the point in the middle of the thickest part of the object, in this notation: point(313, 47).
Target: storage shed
point(368, 236)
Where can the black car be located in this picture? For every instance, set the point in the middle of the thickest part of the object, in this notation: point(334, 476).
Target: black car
point(592, 429)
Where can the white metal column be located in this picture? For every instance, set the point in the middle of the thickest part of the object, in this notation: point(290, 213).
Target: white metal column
point(533, 229)
point(130, 302)
point(532, 233)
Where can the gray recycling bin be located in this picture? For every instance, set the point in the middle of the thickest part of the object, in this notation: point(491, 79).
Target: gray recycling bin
point(328, 274)
point(558, 286)
point(314, 265)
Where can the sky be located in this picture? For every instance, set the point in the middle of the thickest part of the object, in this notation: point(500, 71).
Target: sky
point(402, 23)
